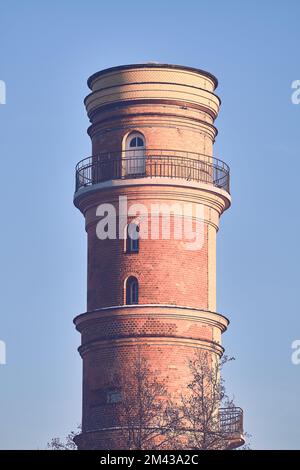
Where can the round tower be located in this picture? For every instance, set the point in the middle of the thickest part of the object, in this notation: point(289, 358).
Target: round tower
point(152, 170)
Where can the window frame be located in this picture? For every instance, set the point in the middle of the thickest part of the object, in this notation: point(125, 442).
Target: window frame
point(131, 297)
point(132, 245)
point(113, 397)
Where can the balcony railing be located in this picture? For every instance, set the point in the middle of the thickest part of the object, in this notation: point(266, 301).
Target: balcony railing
point(231, 421)
point(152, 163)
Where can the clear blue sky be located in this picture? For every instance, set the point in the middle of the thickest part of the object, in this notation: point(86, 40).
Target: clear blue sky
point(48, 49)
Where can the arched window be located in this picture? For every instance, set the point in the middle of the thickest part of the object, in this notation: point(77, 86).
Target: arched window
point(132, 238)
point(132, 291)
point(135, 155)
point(136, 142)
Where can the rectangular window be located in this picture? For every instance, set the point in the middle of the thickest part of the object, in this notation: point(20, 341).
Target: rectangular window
point(113, 396)
point(132, 238)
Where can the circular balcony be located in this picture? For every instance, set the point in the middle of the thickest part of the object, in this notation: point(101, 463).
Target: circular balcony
point(152, 163)
point(231, 426)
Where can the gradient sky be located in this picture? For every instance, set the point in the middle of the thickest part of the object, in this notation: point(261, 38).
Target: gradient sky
point(48, 50)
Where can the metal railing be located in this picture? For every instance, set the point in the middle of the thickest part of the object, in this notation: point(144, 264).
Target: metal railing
point(152, 163)
point(231, 420)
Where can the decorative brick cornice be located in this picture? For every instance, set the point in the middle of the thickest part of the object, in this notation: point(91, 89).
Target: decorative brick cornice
point(150, 65)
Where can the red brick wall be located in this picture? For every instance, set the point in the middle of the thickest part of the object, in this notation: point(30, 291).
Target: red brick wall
point(169, 362)
point(166, 271)
point(163, 127)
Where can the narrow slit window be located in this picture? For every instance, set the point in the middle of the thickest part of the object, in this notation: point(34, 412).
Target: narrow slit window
point(132, 238)
point(132, 291)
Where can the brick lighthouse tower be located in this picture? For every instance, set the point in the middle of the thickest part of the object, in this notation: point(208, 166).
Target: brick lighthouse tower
point(152, 131)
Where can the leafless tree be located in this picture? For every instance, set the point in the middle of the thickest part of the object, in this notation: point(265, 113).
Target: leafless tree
point(146, 418)
point(145, 415)
point(203, 425)
point(68, 443)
